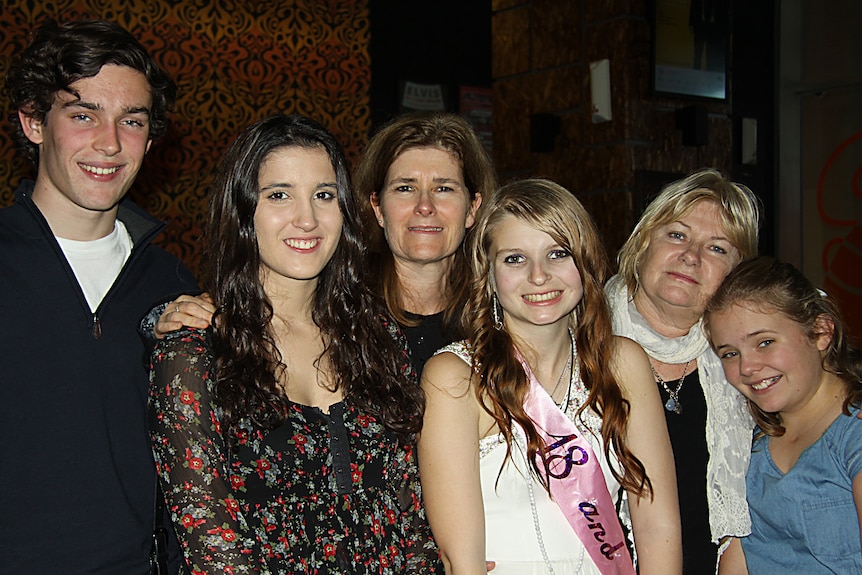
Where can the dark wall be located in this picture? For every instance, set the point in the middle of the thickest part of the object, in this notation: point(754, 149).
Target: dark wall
point(442, 42)
point(542, 51)
point(753, 77)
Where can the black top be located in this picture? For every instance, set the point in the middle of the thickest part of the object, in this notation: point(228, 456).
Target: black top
point(425, 338)
point(688, 437)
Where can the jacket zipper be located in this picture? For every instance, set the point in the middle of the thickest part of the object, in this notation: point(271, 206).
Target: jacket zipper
point(137, 244)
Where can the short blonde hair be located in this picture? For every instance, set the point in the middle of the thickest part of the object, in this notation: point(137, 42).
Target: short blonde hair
point(739, 210)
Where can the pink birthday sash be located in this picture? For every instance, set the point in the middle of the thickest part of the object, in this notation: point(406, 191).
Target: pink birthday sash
point(577, 482)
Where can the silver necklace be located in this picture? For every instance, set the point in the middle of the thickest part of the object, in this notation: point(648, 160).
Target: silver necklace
point(566, 369)
point(537, 526)
point(672, 404)
point(574, 375)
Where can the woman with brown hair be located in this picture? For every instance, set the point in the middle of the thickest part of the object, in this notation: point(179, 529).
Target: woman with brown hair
point(422, 177)
point(284, 435)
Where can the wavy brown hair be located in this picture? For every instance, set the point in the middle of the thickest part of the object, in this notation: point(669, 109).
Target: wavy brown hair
point(450, 133)
point(367, 354)
point(501, 383)
point(769, 285)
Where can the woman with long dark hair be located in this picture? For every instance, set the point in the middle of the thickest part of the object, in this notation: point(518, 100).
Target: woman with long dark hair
point(420, 181)
point(283, 436)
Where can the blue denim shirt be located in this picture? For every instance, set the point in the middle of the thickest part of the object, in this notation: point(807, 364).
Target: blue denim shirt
point(805, 521)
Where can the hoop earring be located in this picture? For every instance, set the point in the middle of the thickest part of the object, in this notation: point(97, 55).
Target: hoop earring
point(498, 322)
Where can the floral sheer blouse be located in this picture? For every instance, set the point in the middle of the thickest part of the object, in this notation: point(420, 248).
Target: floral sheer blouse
point(322, 493)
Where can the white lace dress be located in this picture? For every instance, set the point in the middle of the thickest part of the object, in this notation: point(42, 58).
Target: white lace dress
point(518, 510)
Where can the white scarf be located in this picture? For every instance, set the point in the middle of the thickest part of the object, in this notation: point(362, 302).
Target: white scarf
point(728, 423)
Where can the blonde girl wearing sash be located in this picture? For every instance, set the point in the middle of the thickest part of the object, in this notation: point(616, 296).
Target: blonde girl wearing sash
point(540, 423)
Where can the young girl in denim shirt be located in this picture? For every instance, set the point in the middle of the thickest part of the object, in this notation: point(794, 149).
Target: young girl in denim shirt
point(784, 347)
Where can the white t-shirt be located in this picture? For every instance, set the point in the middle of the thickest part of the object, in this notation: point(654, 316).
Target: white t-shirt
point(97, 263)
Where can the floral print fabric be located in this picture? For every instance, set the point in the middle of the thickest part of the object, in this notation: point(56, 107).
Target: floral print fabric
point(321, 494)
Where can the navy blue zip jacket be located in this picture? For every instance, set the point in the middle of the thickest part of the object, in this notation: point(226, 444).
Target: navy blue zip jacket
point(76, 467)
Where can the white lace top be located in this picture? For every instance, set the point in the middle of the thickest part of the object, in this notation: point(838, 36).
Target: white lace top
point(508, 493)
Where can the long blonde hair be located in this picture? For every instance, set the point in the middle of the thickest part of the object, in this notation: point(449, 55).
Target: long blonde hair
point(501, 383)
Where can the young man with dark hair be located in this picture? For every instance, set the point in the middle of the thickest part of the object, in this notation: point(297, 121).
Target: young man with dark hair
point(77, 272)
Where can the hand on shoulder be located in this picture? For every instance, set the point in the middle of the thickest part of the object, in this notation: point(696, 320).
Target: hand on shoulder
point(185, 311)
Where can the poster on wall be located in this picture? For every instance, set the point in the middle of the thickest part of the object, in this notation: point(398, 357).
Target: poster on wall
point(422, 97)
point(690, 47)
point(475, 106)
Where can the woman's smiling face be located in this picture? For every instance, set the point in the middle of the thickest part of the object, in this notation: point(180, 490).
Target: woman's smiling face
point(297, 220)
point(424, 207)
point(685, 262)
point(536, 279)
point(768, 357)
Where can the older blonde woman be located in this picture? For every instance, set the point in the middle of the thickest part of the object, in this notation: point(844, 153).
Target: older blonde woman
point(689, 238)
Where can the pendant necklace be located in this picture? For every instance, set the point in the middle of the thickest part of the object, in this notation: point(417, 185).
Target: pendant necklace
point(672, 404)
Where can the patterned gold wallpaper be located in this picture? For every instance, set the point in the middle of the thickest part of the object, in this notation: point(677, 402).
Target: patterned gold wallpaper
point(235, 61)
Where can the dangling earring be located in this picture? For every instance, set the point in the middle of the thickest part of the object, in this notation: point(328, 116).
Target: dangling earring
point(498, 322)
